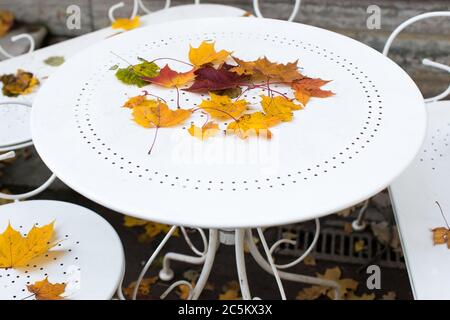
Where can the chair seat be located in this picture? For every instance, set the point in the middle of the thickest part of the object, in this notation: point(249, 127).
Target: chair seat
point(14, 124)
point(89, 258)
point(414, 195)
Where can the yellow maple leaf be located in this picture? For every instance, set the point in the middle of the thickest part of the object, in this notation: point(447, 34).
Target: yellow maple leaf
point(144, 287)
point(17, 251)
point(279, 107)
point(151, 229)
point(134, 102)
point(256, 123)
point(206, 53)
point(127, 24)
point(440, 235)
point(359, 246)
point(45, 290)
point(155, 114)
point(223, 107)
point(208, 130)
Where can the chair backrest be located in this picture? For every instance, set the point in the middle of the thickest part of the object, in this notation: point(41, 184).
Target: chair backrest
point(17, 38)
point(138, 4)
point(426, 62)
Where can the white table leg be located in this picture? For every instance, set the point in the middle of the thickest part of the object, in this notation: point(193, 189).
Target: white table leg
point(240, 262)
point(287, 275)
point(210, 256)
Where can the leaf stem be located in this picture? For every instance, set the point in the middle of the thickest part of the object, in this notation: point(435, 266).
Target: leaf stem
point(442, 213)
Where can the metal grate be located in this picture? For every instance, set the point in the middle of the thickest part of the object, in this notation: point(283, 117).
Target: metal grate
point(334, 244)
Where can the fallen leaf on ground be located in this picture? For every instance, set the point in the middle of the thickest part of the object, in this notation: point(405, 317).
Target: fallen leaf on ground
point(151, 229)
point(6, 21)
point(206, 54)
point(391, 295)
point(55, 61)
point(209, 130)
point(223, 107)
point(256, 123)
point(348, 228)
point(210, 79)
point(45, 290)
point(127, 24)
point(156, 114)
point(279, 107)
point(144, 288)
point(359, 246)
point(170, 79)
point(309, 261)
point(364, 296)
point(184, 291)
point(16, 250)
point(5, 201)
point(21, 83)
point(347, 287)
point(387, 235)
point(231, 291)
point(306, 88)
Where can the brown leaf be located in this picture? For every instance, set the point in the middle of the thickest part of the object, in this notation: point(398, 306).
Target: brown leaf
point(6, 21)
point(45, 290)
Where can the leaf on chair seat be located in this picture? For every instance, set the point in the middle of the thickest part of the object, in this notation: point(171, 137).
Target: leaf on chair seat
point(17, 250)
point(45, 290)
point(21, 83)
point(127, 24)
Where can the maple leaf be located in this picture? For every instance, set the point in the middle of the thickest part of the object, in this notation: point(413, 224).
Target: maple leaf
point(151, 229)
point(134, 102)
point(6, 21)
point(279, 107)
point(156, 114)
point(132, 75)
point(16, 250)
point(230, 291)
point(21, 83)
point(169, 78)
point(263, 68)
point(127, 24)
point(359, 246)
point(256, 123)
point(144, 287)
point(306, 88)
point(347, 287)
point(184, 291)
point(207, 54)
point(208, 130)
point(211, 79)
point(45, 290)
point(441, 234)
point(223, 108)
point(391, 295)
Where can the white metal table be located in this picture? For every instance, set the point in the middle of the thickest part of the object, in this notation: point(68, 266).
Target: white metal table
point(336, 153)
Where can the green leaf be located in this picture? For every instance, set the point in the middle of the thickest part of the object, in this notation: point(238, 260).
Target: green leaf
point(114, 67)
point(132, 74)
point(54, 61)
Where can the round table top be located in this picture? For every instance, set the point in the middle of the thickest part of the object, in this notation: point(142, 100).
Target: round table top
point(335, 153)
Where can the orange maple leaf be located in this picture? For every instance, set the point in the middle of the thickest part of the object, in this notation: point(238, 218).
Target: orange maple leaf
point(263, 68)
point(45, 290)
point(156, 114)
point(169, 78)
point(306, 88)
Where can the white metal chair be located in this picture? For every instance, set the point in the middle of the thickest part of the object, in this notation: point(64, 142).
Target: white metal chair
point(89, 258)
point(197, 10)
point(415, 193)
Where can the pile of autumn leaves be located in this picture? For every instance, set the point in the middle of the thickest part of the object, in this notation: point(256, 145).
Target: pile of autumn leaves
point(226, 78)
point(16, 251)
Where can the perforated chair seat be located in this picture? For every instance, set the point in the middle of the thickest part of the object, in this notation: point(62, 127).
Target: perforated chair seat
point(90, 257)
point(14, 124)
point(414, 195)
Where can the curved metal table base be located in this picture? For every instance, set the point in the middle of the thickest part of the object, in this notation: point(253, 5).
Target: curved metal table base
point(241, 239)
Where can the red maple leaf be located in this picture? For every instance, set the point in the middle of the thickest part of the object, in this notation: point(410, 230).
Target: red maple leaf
point(211, 79)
